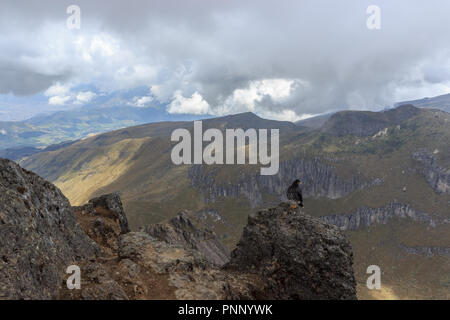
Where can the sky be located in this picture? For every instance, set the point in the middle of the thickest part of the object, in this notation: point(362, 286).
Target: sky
point(283, 60)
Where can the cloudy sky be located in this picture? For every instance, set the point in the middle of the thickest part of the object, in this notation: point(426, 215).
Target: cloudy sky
point(280, 59)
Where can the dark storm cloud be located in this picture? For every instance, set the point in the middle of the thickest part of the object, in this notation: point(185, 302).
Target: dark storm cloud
point(217, 47)
point(22, 81)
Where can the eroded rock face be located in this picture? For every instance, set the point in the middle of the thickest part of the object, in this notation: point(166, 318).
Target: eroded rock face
point(39, 235)
point(437, 176)
point(104, 220)
point(181, 231)
point(299, 256)
point(320, 180)
point(111, 205)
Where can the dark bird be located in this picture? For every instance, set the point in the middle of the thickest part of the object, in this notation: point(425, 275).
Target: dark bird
point(294, 193)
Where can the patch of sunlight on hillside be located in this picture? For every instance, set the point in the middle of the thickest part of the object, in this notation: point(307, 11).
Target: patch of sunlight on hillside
point(385, 293)
point(105, 167)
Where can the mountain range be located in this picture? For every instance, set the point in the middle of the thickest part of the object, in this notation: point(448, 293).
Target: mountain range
point(19, 138)
point(105, 113)
point(382, 177)
point(440, 102)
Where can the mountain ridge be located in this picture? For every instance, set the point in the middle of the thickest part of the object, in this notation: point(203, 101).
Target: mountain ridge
point(341, 174)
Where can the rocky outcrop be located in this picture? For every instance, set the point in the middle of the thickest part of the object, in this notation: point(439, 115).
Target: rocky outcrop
point(320, 180)
point(299, 257)
point(365, 217)
point(103, 219)
point(39, 235)
point(111, 205)
point(283, 254)
point(187, 275)
point(181, 231)
point(436, 176)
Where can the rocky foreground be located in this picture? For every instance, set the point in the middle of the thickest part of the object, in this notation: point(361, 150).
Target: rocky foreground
point(283, 253)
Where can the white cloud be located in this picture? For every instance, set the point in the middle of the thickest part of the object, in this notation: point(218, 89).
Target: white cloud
point(59, 94)
point(235, 55)
point(104, 45)
point(251, 97)
point(284, 115)
point(193, 105)
point(58, 100)
point(57, 89)
point(84, 97)
point(141, 101)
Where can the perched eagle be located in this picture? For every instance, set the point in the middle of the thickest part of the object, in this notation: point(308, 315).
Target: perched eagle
point(294, 193)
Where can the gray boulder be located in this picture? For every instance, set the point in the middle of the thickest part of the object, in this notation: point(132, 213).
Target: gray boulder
point(298, 256)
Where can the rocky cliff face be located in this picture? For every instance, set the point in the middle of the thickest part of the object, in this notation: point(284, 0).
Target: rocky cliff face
point(39, 235)
point(288, 249)
point(365, 217)
point(437, 177)
point(320, 180)
point(103, 220)
point(283, 253)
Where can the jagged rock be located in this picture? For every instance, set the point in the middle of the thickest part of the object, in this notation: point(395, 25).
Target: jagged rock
point(282, 254)
point(103, 219)
point(133, 245)
point(113, 204)
point(39, 235)
point(181, 231)
point(104, 231)
point(110, 205)
point(299, 256)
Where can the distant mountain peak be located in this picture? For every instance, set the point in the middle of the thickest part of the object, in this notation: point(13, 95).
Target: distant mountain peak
point(248, 120)
point(366, 123)
point(441, 102)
